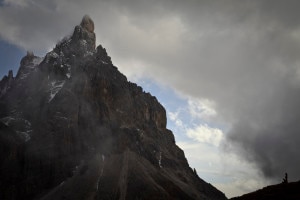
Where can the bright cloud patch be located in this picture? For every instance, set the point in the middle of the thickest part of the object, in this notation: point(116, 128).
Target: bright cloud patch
point(224, 170)
point(174, 117)
point(206, 134)
point(202, 108)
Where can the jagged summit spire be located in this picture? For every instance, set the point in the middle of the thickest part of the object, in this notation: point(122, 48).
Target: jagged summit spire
point(85, 33)
point(30, 54)
point(87, 23)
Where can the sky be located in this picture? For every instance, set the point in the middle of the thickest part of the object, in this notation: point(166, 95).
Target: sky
point(227, 72)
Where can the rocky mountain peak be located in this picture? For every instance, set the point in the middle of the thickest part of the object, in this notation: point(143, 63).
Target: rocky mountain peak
point(73, 127)
point(6, 83)
point(10, 75)
point(85, 33)
point(26, 60)
point(87, 23)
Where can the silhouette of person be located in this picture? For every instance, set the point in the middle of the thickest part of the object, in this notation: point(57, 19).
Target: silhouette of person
point(285, 179)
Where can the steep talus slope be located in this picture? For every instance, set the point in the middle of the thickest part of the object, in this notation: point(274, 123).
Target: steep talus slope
point(73, 127)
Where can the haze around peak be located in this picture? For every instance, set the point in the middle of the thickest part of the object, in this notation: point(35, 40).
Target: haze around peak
point(87, 23)
point(229, 70)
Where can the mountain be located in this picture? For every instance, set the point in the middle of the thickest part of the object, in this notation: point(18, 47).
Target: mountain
point(284, 191)
point(73, 127)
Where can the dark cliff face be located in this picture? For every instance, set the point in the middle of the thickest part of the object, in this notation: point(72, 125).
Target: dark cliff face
point(73, 127)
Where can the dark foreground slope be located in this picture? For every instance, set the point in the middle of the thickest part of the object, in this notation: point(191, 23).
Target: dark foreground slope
point(288, 191)
point(73, 127)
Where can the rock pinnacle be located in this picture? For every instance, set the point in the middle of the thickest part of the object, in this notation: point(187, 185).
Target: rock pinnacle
point(87, 23)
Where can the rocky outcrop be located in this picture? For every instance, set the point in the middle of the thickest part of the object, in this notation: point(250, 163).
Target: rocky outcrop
point(87, 23)
point(75, 128)
point(86, 32)
point(27, 65)
point(6, 83)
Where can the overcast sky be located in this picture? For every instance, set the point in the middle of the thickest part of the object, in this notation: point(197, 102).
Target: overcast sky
point(228, 73)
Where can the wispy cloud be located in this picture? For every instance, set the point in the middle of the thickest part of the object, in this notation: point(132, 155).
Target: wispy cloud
point(202, 108)
point(205, 134)
point(173, 116)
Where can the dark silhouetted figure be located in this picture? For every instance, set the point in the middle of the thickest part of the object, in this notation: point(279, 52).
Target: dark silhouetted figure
point(195, 171)
point(285, 179)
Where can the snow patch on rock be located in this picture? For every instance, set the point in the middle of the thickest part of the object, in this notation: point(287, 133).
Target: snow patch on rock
point(55, 87)
point(7, 120)
point(36, 61)
point(25, 135)
point(101, 173)
point(159, 160)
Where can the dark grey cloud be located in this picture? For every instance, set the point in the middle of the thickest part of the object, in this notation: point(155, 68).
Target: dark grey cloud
point(243, 55)
point(269, 134)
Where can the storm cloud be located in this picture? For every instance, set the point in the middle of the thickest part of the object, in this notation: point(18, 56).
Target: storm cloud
point(241, 55)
